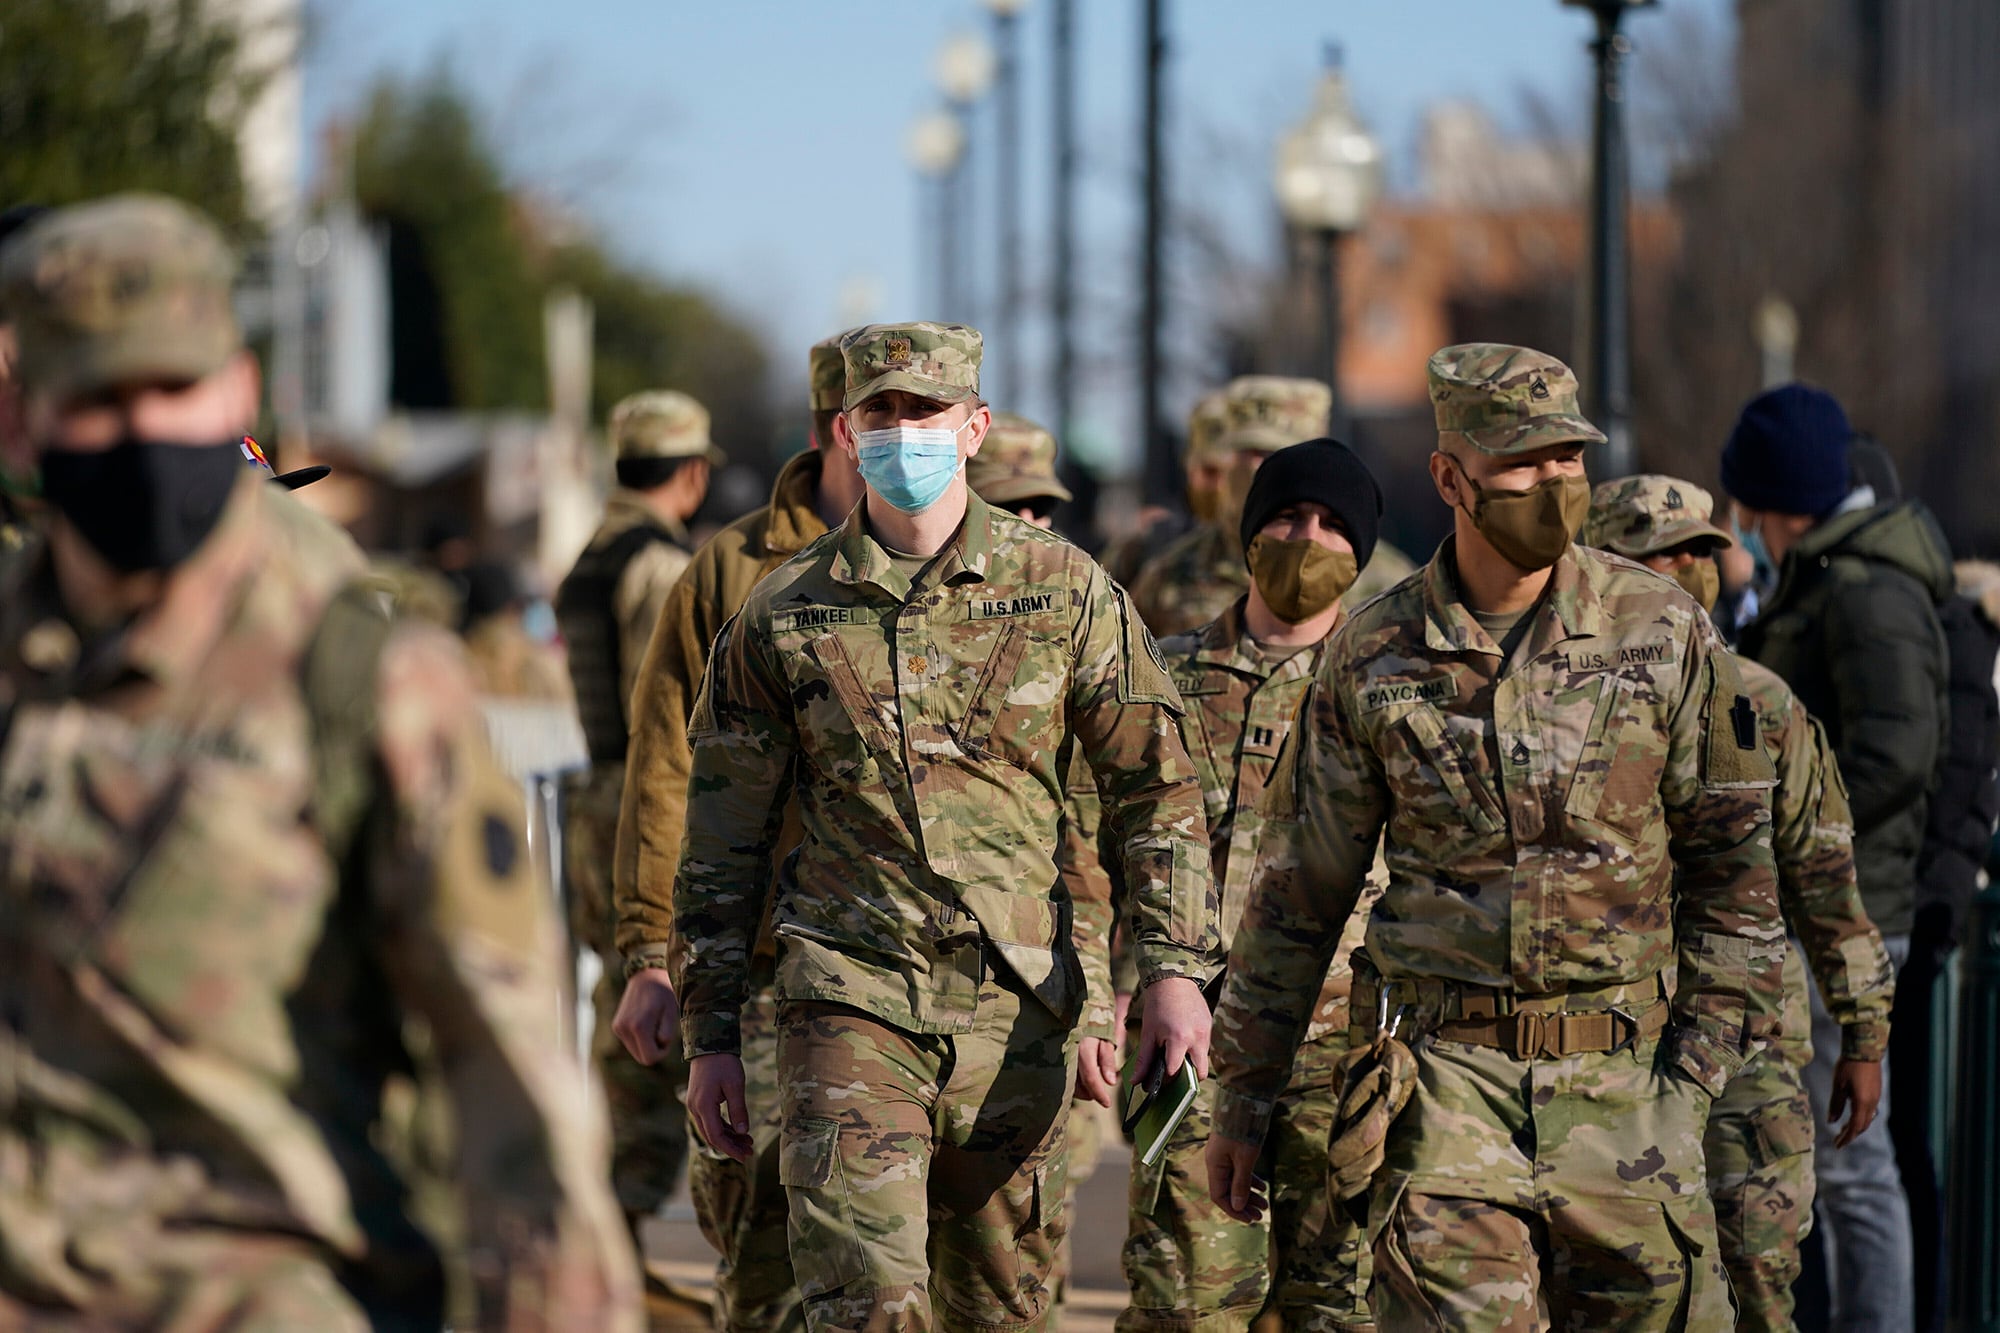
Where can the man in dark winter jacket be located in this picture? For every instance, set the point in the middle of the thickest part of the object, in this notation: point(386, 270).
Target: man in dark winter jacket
point(1850, 620)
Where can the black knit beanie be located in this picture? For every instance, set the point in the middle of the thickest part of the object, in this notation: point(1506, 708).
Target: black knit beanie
point(1323, 472)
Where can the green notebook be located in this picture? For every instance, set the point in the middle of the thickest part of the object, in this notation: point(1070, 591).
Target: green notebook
point(1155, 1107)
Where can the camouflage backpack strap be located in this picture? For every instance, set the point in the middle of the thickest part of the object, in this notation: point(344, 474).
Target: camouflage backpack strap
point(339, 680)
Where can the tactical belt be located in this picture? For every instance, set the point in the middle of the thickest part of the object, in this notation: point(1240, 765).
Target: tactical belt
point(1587, 1019)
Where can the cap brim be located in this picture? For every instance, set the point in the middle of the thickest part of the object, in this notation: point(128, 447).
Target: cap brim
point(908, 382)
point(1020, 486)
point(1257, 441)
point(1675, 534)
point(1540, 433)
point(72, 365)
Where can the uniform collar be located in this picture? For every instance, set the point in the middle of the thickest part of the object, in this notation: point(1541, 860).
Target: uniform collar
point(795, 520)
point(630, 505)
point(1226, 642)
point(1571, 609)
point(859, 558)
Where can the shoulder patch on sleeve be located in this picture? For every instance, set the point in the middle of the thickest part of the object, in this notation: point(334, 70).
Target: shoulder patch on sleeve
point(1734, 755)
point(1142, 671)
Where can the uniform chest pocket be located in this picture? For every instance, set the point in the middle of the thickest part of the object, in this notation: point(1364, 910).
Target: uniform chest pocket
point(1617, 769)
point(843, 721)
point(1439, 763)
point(1014, 699)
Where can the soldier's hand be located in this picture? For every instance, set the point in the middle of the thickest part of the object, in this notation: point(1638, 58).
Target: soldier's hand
point(1173, 1023)
point(648, 1015)
point(1856, 1083)
point(1232, 1178)
point(1096, 1070)
point(716, 1104)
point(1121, 1007)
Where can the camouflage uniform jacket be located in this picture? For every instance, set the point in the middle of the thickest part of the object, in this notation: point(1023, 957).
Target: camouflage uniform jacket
point(220, 917)
point(1240, 714)
point(928, 730)
point(1812, 838)
point(1577, 823)
point(713, 588)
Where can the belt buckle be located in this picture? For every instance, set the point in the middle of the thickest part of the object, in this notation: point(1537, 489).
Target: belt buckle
point(1631, 1030)
point(1530, 1031)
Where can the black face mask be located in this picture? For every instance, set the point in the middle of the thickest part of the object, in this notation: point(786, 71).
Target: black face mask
point(141, 504)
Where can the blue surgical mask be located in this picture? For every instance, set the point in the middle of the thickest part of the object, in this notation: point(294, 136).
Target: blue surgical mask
point(1764, 570)
point(909, 466)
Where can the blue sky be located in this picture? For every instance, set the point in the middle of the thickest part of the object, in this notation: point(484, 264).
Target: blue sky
point(756, 147)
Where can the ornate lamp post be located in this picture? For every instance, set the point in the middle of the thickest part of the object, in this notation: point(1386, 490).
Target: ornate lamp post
point(1607, 351)
point(964, 71)
point(1328, 175)
point(936, 146)
point(1007, 321)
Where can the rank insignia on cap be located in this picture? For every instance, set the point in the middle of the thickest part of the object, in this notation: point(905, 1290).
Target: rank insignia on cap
point(897, 351)
point(1674, 499)
point(1539, 390)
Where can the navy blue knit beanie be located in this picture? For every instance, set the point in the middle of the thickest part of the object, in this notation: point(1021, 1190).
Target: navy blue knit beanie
point(1788, 453)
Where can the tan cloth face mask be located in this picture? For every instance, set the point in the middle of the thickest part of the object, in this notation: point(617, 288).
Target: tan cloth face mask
point(1702, 580)
point(1532, 528)
point(1300, 579)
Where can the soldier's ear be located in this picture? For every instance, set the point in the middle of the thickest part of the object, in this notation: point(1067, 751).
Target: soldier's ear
point(1446, 477)
point(843, 438)
point(981, 421)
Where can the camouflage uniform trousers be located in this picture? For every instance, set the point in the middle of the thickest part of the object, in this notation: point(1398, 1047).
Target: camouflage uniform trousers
point(1191, 1267)
point(647, 1105)
point(1547, 1193)
point(1759, 1146)
point(926, 1173)
point(741, 1205)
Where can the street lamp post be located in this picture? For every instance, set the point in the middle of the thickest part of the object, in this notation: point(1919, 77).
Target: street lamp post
point(1328, 175)
point(936, 145)
point(1158, 481)
point(964, 72)
point(1006, 339)
point(1607, 351)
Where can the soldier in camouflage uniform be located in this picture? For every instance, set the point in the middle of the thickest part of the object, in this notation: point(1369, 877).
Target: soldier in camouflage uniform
point(1015, 471)
point(1206, 468)
point(256, 857)
point(1199, 576)
point(921, 677)
point(1309, 528)
point(1759, 1143)
point(607, 607)
point(1580, 934)
point(740, 1205)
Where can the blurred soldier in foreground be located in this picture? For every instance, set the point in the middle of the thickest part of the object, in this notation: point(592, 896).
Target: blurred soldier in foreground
point(1850, 621)
point(1206, 468)
point(919, 676)
point(607, 607)
point(741, 1205)
point(1308, 529)
point(1759, 1143)
point(1575, 801)
point(252, 845)
point(1202, 574)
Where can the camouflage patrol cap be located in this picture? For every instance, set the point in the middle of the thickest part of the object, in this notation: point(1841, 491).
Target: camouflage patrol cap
point(1017, 462)
point(1205, 426)
point(1272, 412)
point(935, 361)
point(828, 374)
point(662, 423)
point(1642, 516)
point(130, 288)
point(1502, 399)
